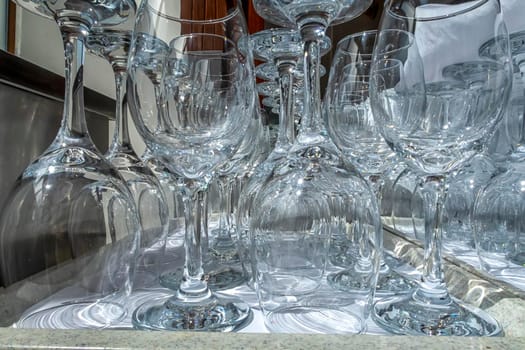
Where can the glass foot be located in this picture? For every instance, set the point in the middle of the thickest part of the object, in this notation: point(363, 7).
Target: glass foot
point(222, 279)
point(388, 283)
point(407, 316)
point(224, 251)
point(211, 314)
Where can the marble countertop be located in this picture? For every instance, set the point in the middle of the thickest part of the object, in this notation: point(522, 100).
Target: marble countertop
point(11, 338)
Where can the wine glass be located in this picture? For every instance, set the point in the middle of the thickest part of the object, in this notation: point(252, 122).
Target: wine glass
point(309, 194)
point(436, 126)
point(113, 44)
point(159, 23)
point(465, 183)
point(350, 124)
point(206, 92)
point(150, 52)
point(70, 224)
point(223, 264)
point(498, 223)
point(282, 50)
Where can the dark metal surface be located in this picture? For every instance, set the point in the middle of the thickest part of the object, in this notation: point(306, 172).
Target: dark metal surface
point(27, 76)
point(31, 104)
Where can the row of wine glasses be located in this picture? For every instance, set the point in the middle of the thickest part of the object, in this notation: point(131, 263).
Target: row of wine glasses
point(433, 124)
point(308, 220)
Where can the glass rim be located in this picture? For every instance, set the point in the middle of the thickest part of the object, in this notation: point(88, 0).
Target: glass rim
point(275, 31)
point(230, 15)
point(452, 14)
point(411, 41)
point(341, 43)
point(222, 38)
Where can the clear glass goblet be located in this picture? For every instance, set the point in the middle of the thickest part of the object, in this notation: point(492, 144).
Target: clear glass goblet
point(113, 45)
point(161, 21)
point(206, 118)
point(150, 53)
point(70, 224)
point(223, 264)
point(351, 125)
point(282, 49)
point(498, 213)
point(436, 126)
point(311, 193)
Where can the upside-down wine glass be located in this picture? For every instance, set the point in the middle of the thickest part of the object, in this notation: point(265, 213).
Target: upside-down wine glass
point(436, 126)
point(207, 94)
point(223, 264)
point(498, 214)
point(151, 52)
point(70, 225)
point(282, 49)
point(311, 193)
point(113, 45)
point(351, 125)
point(465, 184)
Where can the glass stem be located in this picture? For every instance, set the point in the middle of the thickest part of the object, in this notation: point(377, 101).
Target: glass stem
point(225, 187)
point(311, 122)
point(121, 139)
point(377, 183)
point(73, 127)
point(521, 144)
point(432, 288)
point(194, 287)
point(161, 107)
point(285, 81)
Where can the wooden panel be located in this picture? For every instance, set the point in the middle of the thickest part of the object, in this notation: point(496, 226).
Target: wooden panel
point(255, 22)
point(210, 12)
point(197, 13)
point(185, 13)
point(11, 25)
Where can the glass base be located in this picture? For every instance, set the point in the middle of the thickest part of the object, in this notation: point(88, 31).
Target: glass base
point(222, 279)
point(224, 251)
point(211, 314)
point(311, 319)
point(407, 316)
point(91, 315)
point(388, 282)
